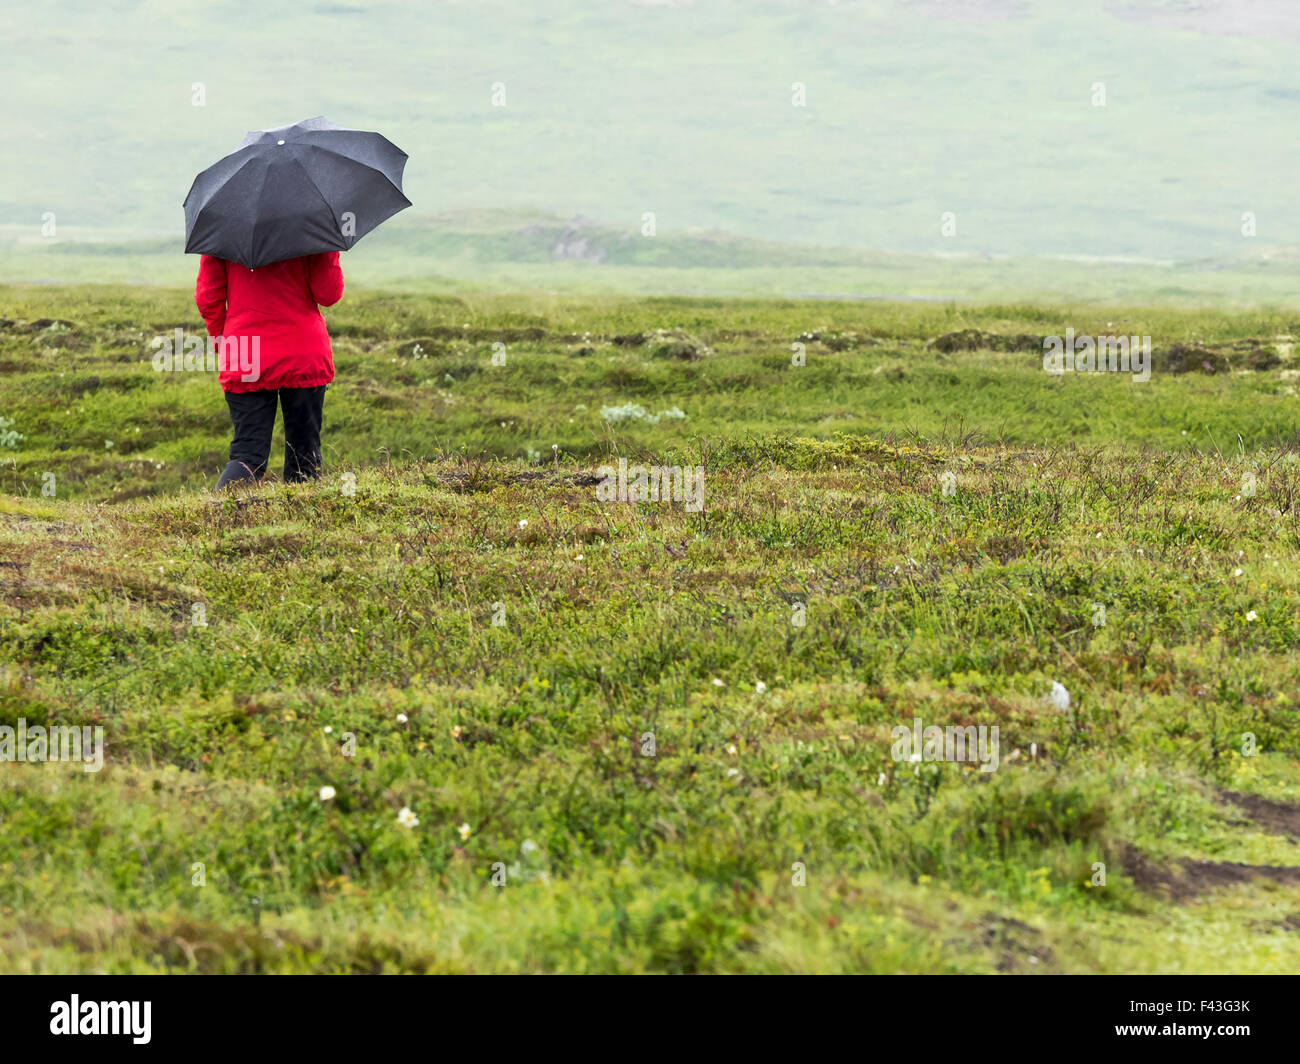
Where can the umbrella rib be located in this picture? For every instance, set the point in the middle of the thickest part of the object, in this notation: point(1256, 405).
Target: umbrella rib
point(307, 173)
point(233, 173)
point(348, 158)
point(211, 195)
point(252, 229)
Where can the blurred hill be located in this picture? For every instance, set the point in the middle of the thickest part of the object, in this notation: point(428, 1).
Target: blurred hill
point(984, 108)
point(462, 251)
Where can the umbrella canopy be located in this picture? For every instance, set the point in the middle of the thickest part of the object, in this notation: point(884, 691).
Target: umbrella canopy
point(296, 190)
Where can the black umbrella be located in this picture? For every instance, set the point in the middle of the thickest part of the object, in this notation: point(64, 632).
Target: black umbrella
point(295, 190)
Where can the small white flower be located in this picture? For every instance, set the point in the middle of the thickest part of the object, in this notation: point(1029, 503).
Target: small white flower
point(1236, 572)
point(456, 733)
point(1059, 697)
point(464, 831)
point(326, 793)
point(523, 524)
point(718, 683)
point(731, 748)
point(328, 730)
point(406, 818)
point(760, 687)
point(880, 782)
point(915, 759)
point(1251, 615)
point(733, 772)
point(401, 718)
point(578, 558)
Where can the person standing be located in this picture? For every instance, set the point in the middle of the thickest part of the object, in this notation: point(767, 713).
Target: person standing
point(276, 311)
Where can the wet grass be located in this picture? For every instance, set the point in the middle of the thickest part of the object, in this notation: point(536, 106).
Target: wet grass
point(614, 710)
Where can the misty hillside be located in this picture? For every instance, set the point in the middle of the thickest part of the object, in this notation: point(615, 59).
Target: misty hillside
point(983, 108)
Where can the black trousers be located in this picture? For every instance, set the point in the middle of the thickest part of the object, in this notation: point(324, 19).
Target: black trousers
point(253, 414)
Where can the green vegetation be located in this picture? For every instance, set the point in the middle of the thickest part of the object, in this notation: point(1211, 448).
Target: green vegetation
point(416, 379)
point(502, 646)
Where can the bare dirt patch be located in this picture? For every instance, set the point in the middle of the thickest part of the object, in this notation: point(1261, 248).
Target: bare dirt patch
point(1019, 947)
point(1187, 879)
point(978, 340)
point(1276, 818)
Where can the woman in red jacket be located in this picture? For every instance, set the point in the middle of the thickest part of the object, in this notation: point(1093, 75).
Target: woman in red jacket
point(275, 311)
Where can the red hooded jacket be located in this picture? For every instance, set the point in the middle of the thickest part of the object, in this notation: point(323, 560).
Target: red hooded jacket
point(278, 305)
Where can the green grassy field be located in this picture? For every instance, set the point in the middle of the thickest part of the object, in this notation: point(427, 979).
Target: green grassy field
point(624, 751)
